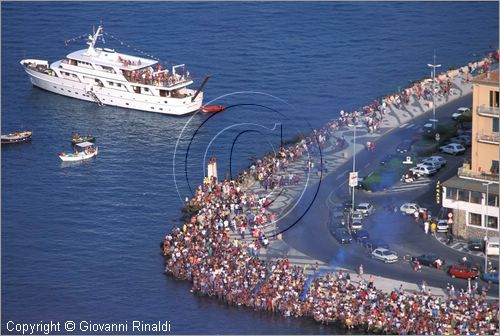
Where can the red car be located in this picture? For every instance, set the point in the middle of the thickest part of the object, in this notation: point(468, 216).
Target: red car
point(463, 272)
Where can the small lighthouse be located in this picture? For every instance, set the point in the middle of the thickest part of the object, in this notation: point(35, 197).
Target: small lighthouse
point(212, 168)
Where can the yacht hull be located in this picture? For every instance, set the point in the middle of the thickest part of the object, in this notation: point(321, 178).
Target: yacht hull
point(111, 97)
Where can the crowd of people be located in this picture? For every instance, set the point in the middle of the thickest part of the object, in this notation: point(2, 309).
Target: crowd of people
point(203, 251)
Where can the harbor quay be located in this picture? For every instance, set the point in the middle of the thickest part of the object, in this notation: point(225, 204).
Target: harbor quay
point(225, 247)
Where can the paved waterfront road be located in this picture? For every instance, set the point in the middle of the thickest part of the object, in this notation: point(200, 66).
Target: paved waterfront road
point(312, 237)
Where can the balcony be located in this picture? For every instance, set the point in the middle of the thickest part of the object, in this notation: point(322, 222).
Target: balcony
point(489, 138)
point(478, 176)
point(488, 111)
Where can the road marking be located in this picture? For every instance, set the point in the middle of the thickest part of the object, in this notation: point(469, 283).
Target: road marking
point(342, 174)
point(402, 125)
point(410, 126)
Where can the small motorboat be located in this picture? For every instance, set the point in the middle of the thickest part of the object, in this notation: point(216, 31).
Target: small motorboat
point(212, 108)
point(83, 151)
point(77, 138)
point(16, 137)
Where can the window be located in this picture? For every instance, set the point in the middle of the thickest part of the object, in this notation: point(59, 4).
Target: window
point(463, 195)
point(476, 197)
point(495, 125)
point(494, 98)
point(492, 200)
point(474, 219)
point(492, 222)
point(494, 167)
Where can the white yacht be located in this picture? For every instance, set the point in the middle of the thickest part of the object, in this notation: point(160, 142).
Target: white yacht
point(106, 77)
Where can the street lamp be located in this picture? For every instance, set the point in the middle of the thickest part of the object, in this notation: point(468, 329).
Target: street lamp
point(486, 222)
point(354, 165)
point(434, 66)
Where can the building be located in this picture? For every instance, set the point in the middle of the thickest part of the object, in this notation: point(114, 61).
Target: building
point(473, 194)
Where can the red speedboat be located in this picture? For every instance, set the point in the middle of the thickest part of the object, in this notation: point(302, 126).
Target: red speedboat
point(212, 108)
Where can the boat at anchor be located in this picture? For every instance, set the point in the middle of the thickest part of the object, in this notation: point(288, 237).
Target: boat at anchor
point(17, 137)
point(106, 77)
point(83, 151)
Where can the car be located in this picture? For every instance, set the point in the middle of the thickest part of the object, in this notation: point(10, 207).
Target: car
point(365, 208)
point(459, 113)
point(347, 205)
point(342, 236)
point(385, 255)
point(423, 170)
point(409, 208)
point(373, 244)
point(428, 128)
point(429, 260)
point(490, 277)
point(452, 148)
point(475, 245)
point(404, 146)
point(436, 160)
point(429, 165)
point(442, 225)
point(464, 140)
point(361, 236)
point(492, 246)
point(360, 184)
point(463, 272)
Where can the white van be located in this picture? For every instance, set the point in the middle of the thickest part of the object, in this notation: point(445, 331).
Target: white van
point(493, 246)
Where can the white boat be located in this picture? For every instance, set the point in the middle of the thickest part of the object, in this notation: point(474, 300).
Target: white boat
point(106, 77)
point(83, 151)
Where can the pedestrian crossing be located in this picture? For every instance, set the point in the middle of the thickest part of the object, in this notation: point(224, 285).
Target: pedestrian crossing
point(420, 183)
point(461, 246)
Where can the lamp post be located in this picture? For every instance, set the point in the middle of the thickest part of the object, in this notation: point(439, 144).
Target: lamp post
point(486, 222)
point(353, 166)
point(434, 66)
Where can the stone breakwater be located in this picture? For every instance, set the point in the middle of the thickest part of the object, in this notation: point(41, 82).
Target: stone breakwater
point(203, 252)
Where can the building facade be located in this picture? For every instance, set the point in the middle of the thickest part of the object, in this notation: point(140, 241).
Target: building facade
point(473, 195)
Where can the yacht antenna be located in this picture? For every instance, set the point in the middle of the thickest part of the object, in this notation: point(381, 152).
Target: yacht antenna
point(92, 39)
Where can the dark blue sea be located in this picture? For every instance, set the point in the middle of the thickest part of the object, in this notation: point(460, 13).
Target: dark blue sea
point(82, 241)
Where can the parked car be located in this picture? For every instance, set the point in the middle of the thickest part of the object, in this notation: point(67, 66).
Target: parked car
point(464, 140)
point(385, 255)
point(475, 245)
point(452, 148)
point(492, 246)
point(428, 128)
point(409, 208)
point(429, 165)
point(361, 236)
point(342, 236)
point(463, 272)
point(459, 113)
point(423, 170)
point(404, 146)
point(429, 260)
point(365, 208)
point(435, 159)
point(442, 225)
point(490, 277)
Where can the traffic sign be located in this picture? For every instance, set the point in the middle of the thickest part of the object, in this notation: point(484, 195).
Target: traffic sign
point(353, 179)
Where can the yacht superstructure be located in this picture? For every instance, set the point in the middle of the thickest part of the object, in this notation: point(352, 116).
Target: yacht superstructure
point(106, 77)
